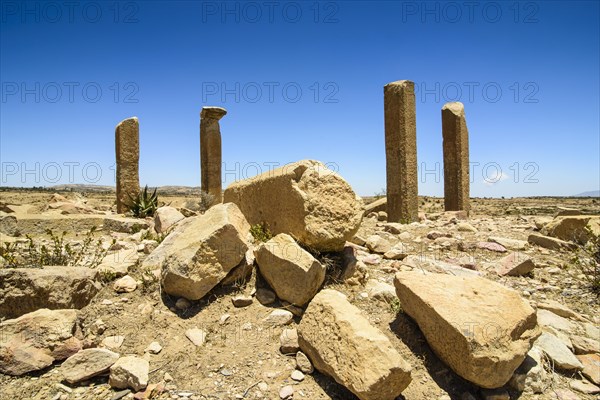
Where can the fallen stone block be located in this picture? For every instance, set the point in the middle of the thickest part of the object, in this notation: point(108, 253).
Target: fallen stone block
point(342, 343)
point(479, 328)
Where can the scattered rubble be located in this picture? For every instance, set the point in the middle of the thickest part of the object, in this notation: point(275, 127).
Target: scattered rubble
point(191, 347)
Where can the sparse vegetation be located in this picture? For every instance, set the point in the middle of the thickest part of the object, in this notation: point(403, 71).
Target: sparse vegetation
point(380, 194)
point(10, 254)
point(149, 281)
point(150, 235)
point(144, 204)
point(395, 305)
point(242, 281)
point(261, 232)
point(332, 261)
point(587, 260)
point(147, 235)
point(107, 275)
point(34, 254)
point(206, 200)
point(161, 236)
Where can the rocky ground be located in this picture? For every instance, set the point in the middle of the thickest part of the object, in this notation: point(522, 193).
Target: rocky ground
point(227, 345)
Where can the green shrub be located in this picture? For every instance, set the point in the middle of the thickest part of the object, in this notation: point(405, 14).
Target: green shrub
point(107, 276)
point(395, 305)
point(261, 232)
point(58, 252)
point(143, 205)
point(149, 281)
point(10, 254)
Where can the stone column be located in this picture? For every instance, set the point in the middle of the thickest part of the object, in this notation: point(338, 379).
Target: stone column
point(210, 151)
point(127, 143)
point(456, 157)
point(401, 151)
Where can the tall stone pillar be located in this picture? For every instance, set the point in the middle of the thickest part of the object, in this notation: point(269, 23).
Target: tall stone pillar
point(127, 143)
point(456, 157)
point(401, 151)
point(210, 151)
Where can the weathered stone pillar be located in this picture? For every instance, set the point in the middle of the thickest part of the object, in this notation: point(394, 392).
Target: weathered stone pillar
point(210, 151)
point(127, 143)
point(401, 151)
point(456, 157)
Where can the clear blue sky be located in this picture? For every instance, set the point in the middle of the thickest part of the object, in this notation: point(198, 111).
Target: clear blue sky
point(527, 72)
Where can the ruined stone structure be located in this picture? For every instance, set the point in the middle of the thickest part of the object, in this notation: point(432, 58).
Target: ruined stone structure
point(401, 151)
point(210, 152)
point(456, 157)
point(127, 143)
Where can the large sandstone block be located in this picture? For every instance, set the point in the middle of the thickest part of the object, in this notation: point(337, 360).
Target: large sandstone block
point(119, 262)
point(23, 290)
point(305, 200)
point(558, 352)
point(591, 367)
point(376, 206)
point(201, 251)
point(34, 341)
point(292, 272)
point(342, 343)
point(116, 223)
point(40, 223)
point(578, 228)
point(86, 364)
point(129, 372)
point(479, 328)
point(165, 217)
point(550, 242)
point(515, 264)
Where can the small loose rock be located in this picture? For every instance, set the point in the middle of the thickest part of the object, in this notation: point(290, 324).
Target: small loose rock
point(286, 392)
point(242, 301)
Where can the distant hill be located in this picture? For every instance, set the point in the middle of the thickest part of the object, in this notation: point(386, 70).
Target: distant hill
point(593, 193)
point(165, 190)
point(180, 190)
point(194, 190)
point(76, 187)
